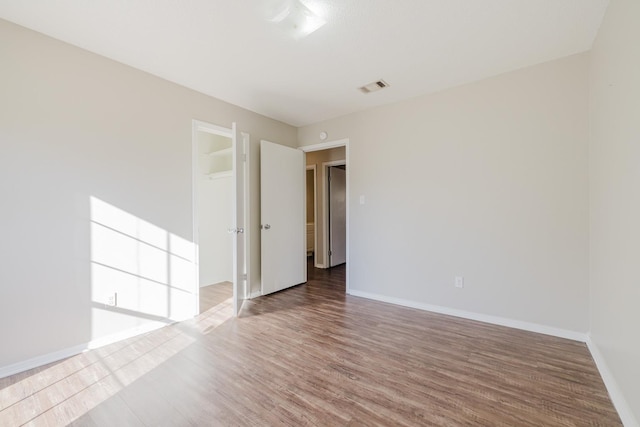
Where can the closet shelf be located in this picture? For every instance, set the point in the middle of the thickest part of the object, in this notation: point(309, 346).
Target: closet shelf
point(223, 152)
point(218, 175)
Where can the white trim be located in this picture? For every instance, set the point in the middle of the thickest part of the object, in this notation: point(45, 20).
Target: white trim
point(255, 294)
point(195, 165)
point(239, 142)
point(502, 321)
point(211, 128)
point(129, 333)
point(37, 361)
point(334, 163)
point(246, 148)
point(55, 356)
point(616, 395)
point(348, 164)
point(237, 301)
point(326, 145)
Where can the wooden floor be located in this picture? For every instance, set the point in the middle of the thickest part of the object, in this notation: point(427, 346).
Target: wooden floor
point(212, 295)
point(311, 355)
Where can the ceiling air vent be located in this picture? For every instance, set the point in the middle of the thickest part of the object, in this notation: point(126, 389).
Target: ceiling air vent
point(372, 87)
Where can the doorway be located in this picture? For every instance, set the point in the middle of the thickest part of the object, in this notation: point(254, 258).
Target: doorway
point(321, 161)
point(323, 157)
point(283, 214)
point(214, 194)
point(219, 215)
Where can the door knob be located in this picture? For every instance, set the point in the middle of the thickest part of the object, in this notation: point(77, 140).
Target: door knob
point(267, 226)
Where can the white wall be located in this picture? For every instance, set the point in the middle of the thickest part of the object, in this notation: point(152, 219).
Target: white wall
point(487, 181)
point(215, 243)
point(96, 188)
point(615, 199)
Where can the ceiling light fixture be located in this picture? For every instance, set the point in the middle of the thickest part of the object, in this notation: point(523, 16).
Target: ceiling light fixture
point(296, 19)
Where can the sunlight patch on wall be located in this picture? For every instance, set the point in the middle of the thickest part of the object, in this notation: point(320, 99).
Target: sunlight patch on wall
point(140, 272)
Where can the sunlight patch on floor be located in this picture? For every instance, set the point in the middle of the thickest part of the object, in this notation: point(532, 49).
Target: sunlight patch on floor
point(66, 390)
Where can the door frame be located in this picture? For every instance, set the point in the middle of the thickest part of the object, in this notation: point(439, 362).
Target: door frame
point(241, 156)
point(200, 126)
point(325, 205)
point(325, 146)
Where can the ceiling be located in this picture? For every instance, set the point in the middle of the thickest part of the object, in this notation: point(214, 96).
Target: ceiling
point(229, 50)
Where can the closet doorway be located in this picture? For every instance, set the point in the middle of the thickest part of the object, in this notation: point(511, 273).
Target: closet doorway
point(215, 198)
point(220, 210)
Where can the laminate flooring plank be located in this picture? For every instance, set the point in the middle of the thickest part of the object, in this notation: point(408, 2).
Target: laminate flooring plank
point(149, 406)
point(112, 412)
point(213, 295)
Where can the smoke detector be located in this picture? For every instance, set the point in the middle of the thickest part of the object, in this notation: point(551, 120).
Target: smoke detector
point(374, 86)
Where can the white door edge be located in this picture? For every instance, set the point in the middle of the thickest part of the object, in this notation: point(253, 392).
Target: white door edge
point(246, 148)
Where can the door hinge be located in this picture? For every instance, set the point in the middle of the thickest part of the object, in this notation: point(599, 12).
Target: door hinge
point(244, 157)
point(330, 253)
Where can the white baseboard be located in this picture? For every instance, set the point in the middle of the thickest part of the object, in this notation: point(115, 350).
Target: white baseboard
point(502, 321)
point(44, 359)
point(320, 266)
point(255, 294)
point(620, 403)
point(55, 356)
point(129, 333)
point(214, 284)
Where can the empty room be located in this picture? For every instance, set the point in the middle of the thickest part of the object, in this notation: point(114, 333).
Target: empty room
point(319, 212)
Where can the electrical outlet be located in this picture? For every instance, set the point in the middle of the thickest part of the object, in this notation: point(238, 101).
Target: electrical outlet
point(112, 300)
point(459, 282)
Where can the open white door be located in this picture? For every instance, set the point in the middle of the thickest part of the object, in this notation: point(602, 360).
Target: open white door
point(337, 216)
point(240, 148)
point(283, 220)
